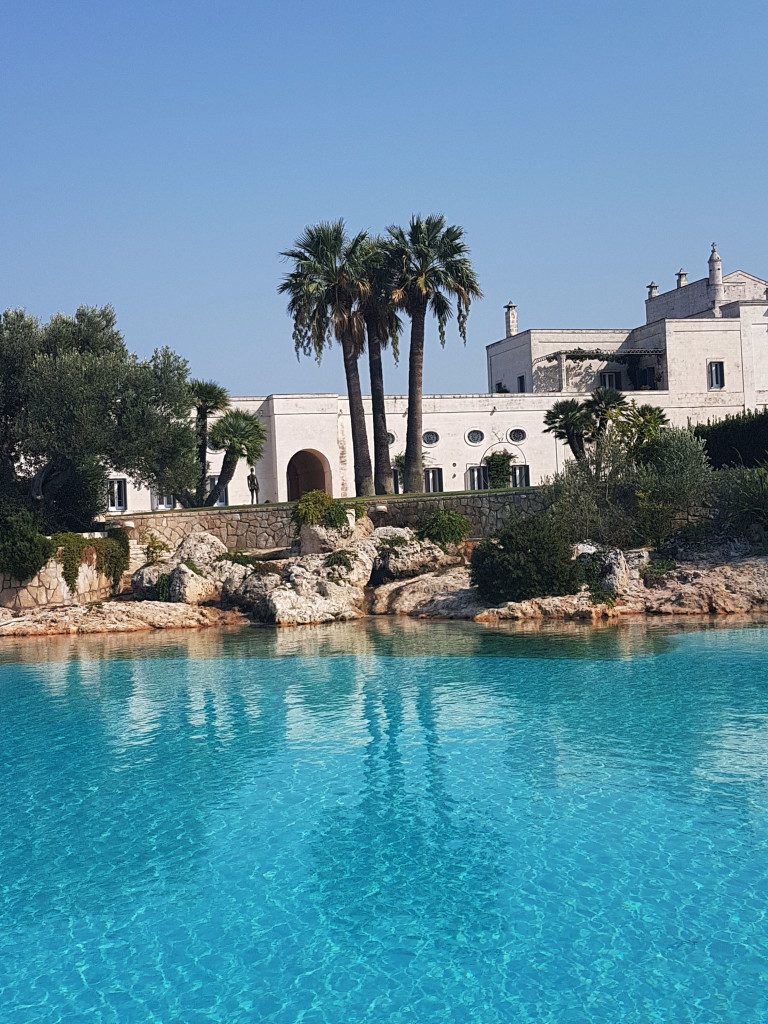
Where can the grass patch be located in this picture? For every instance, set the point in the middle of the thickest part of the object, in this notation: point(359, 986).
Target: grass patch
point(191, 566)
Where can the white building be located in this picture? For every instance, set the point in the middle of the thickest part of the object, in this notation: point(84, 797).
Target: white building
point(702, 353)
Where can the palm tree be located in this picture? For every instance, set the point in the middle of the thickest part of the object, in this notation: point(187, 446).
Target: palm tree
point(605, 405)
point(325, 289)
point(432, 265)
point(570, 420)
point(382, 325)
point(240, 435)
point(209, 398)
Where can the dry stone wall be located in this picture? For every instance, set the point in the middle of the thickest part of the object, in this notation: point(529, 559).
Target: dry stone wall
point(261, 527)
point(245, 528)
point(49, 589)
point(487, 511)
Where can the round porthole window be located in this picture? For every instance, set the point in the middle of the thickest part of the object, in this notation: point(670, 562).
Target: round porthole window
point(517, 435)
point(475, 436)
point(390, 438)
point(430, 437)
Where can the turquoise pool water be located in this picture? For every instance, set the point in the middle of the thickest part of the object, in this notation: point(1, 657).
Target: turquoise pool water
point(386, 823)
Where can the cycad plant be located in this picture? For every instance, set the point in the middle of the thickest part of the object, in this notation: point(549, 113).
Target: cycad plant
point(240, 435)
point(325, 290)
point(605, 406)
point(570, 421)
point(432, 270)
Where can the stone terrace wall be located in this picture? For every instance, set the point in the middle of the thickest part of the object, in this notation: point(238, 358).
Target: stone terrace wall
point(487, 511)
point(246, 528)
point(269, 526)
point(49, 589)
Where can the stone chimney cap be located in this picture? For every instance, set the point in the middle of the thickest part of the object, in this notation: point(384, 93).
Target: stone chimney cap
point(511, 305)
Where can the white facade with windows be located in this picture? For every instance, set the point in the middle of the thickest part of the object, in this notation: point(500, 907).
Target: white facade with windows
point(702, 353)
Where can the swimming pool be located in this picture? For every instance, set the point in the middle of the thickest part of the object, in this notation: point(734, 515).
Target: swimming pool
point(386, 822)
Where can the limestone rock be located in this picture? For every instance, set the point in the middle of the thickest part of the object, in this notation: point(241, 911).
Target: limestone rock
point(191, 588)
point(144, 579)
point(614, 572)
point(316, 540)
point(201, 548)
point(445, 595)
point(250, 592)
point(401, 555)
point(118, 617)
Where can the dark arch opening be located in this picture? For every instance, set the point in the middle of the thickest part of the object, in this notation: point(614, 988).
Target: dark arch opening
point(308, 471)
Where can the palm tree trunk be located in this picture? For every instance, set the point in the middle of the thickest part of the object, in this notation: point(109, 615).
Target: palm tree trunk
point(361, 453)
point(227, 471)
point(202, 457)
point(382, 464)
point(414, 461)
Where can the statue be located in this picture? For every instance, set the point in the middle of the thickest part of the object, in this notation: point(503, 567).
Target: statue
point(253, 485)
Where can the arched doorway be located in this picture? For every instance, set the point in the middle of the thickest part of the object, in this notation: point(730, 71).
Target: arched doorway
point(308, 471)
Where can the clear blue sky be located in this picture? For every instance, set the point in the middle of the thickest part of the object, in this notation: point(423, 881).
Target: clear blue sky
point(159, 155)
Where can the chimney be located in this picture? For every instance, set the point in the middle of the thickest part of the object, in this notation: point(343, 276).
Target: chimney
point(510, 319)
point(682, 278)
point(716, 290)
point(653, 290)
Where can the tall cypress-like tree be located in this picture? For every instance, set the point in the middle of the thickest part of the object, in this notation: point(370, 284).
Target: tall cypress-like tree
point(431, 268)
point(325, 290)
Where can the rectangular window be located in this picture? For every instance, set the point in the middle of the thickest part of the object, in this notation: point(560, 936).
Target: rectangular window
point(478, 478)
point(433, 480)
point(164, 501)
point(716, 376)
point(501, 388)
point(521, 384)
point(610, 379)
point(224, 498)
point(520, 477)
point(117, 495)
point(646, 379)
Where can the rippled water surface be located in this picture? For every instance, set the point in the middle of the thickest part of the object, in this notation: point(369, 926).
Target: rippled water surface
point(387, 822)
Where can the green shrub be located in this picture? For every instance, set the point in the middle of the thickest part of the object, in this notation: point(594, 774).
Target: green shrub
point(737, 440)
point(154, 549)
point(335, 517)
point(192, 567)
point(742, 496)
point(23, 549)
point(341, 558)
point(654, 571)
point(530, 557)
point(444, 526)
point(163, 587)
point(112, 557)
point(498, 464)
point(316, 508)
point(591, 571)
